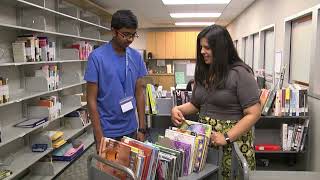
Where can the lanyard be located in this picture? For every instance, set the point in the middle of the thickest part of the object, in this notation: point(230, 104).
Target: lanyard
point(126, 75)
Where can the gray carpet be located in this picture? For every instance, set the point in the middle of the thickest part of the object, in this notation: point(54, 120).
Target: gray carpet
point(78, 170)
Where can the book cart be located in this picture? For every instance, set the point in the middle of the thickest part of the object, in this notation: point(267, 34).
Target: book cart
point(209, 172)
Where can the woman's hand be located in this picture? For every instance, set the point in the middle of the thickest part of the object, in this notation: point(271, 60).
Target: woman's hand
point(218, 139)
point(177, 116)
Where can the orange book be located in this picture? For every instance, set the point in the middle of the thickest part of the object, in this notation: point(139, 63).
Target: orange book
point(46, 103)
point(116, 152)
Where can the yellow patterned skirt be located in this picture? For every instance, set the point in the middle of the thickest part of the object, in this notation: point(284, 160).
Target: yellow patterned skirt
point(245, 143)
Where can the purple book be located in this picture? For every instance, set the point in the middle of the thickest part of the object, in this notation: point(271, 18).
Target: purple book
point(173, 144)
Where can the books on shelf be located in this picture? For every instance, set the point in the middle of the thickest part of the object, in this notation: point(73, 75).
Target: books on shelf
point(30, 48)
point(84, 48)
point(289, 101)
point(56, 138)
point(182, 97)
point(45, 106)
point(82, 114)
point(293, 136)
point(179, 153)
point(4, 90)
point(67, 152)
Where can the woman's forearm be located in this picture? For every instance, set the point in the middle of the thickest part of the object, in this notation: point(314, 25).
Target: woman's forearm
point(187, 108)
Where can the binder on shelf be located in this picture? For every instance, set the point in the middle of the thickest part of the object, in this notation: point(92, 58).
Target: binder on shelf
point(30, 123)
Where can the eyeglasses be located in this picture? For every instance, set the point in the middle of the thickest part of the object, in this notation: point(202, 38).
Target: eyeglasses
point(127, 35)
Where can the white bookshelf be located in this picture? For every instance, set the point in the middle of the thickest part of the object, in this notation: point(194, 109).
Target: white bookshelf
point(84, 21)
point(24, 158)
point(24, 95)
point(50, 32)
point(41, 62)
point(59, 166)
point(11, 133)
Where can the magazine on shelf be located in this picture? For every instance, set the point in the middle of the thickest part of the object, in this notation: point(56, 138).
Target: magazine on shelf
point(30, 123)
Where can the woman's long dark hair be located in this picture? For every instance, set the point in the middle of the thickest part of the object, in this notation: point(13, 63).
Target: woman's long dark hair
point(224, 56)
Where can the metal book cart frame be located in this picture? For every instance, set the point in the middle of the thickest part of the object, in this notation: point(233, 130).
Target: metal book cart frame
point(209, 172)
point(241, 169)
point(96, 174)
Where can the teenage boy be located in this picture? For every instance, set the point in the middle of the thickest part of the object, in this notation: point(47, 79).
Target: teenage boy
point(115, 86)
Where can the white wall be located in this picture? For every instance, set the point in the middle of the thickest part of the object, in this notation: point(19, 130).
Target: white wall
point(263, 13)
point(140, 43)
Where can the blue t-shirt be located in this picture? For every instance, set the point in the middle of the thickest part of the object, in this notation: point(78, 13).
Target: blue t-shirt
point(108, 69)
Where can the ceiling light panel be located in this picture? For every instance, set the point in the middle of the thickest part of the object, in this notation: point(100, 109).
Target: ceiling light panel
point(194, 15)
point(193, 23)
point(176, 2)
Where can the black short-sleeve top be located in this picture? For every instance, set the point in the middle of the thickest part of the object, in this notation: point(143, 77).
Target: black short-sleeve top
point(240, 92)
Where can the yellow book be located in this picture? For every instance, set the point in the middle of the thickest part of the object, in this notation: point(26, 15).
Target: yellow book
point(54, 135)
point(58, 143)
point(152, 99)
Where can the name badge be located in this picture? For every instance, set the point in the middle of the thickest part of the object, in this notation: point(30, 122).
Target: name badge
point(126, 104)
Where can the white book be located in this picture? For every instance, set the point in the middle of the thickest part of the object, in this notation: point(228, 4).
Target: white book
point(284, 136)
point(290, 134)
point(19, 52)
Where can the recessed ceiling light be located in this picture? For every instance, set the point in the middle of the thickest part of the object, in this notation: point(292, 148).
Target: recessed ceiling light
point(171, 2)
point(194, 15)
point(194, 23)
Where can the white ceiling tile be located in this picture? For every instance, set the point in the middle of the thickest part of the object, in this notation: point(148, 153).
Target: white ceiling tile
point(153, 13)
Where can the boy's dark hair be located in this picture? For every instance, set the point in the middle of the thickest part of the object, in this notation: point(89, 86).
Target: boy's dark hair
point(124, 19)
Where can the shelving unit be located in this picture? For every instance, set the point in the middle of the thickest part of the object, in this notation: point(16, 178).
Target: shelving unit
point(40, 62)
point(268, 131)
point(64, 22)
point(59, 166)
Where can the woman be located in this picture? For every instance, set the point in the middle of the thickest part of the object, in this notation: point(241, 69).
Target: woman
point(226, 95)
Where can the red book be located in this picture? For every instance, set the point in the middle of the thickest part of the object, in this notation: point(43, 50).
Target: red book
point(267, 147)
point(148, 153)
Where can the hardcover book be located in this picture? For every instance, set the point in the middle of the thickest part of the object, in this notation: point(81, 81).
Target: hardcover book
point(117, 152)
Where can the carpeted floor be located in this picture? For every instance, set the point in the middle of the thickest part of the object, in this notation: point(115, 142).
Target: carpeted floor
point(78, 170)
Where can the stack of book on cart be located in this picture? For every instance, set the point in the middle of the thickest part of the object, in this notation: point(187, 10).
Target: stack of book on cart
point(178, 153)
